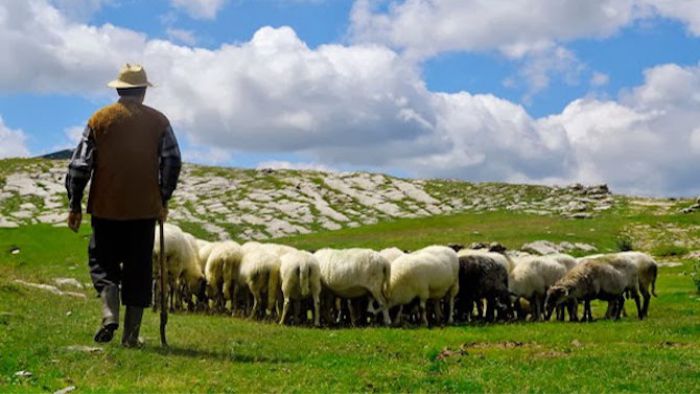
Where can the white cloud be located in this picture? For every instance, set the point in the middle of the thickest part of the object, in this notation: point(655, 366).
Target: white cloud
point(186, 37)
point(80, 10)
point(364, 105)
point(12, 142)
point(531, 32)
point(206, 155)
point(644, 143)
point(200, 9)
point(599, 79)
point(426, 27)
point(74, 135)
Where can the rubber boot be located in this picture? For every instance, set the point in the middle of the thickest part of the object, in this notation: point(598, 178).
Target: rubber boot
point(110, 314)
point(132, 326)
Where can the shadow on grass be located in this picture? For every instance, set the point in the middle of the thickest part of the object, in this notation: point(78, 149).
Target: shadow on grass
point(217, 355)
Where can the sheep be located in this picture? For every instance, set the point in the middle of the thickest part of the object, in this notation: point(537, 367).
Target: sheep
point(301, 278)
point(180, 261)
point(391, 254)
point(531, 278)
point(351, 273)
point(192, 275)
point(588, 280)
point(221, 271)
point(482, 275)
point(639, 269)
point(565, 260)
point(204, 249)
point(648, 271)
point(629, 272)
point(429, 273)
point(259, 272)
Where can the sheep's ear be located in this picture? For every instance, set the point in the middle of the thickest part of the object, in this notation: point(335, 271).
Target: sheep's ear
point(566, 292)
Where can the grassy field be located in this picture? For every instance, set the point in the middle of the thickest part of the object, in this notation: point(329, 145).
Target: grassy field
point(222, 354)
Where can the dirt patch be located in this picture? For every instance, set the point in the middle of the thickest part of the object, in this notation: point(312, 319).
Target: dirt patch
point(496, 345)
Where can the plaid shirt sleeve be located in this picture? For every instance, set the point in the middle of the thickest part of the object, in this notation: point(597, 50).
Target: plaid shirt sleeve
point(170, 164)
point(80, 170)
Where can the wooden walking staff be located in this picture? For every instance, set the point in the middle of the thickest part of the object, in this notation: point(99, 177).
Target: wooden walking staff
point(163, 306)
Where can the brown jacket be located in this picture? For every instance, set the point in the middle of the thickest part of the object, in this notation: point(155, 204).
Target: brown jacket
point(125, 181)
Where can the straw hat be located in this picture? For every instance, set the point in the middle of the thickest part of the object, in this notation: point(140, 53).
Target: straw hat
point(130, 76)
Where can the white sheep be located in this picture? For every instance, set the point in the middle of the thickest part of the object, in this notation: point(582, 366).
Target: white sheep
point(221, 271)
point(431, 273)
point(391, 254)
point(628, 269)
point(259, 272)
point(301, 279)
point(648, 271)
point(567, 261)
point(352, 273)
point(180, 261)
point(531, 278)
point(204, 249)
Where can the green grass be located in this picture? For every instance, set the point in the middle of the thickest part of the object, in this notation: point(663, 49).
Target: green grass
point(223, 354)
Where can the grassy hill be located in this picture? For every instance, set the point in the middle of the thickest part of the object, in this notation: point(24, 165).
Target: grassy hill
point(49, 335)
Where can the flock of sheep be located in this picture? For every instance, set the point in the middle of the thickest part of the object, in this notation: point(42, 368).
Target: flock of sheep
point(433, 285)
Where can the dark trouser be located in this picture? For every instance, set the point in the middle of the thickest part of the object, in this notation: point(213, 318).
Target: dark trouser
point(120, 252)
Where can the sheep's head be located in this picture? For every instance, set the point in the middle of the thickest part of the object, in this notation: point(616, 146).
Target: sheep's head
point(556, 295)
point(197, 286)
point(456, 247)
point(210, 290)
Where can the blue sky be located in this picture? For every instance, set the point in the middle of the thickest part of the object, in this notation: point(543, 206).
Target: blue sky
point(557, 76)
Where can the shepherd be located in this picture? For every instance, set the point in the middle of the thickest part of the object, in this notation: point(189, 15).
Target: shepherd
point(131, 157)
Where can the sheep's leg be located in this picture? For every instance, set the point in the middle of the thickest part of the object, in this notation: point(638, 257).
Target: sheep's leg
point(234, 299)
point(490, 309)
point(451, 307)
point(560, 312)
point(647, 297)
point(256, 302)
point(423, 312)
point(587, 314)
point(479, 309)
point(638, 304)
point(383, 304)
point(317, 310)
point(353, 316)
point(285, 309)
point(572, 306)
point(438, 311)
point(399, 316)
point(535, 306)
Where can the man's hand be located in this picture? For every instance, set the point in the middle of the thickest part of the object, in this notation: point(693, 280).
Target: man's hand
point(163, 214)
point(74, 220)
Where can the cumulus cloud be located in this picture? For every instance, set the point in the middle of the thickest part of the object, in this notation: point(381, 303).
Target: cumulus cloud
point(426, 27)
point(645, 142)
point(199, 9)
point(80, 10)
point(183, 36)
point(363, 105)
point(12, 142)
point(531, 32)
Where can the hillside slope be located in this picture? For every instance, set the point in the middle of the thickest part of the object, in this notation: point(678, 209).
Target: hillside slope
point(259, 204)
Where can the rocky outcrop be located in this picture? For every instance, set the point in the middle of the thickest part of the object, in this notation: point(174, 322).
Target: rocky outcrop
point(261, 204)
